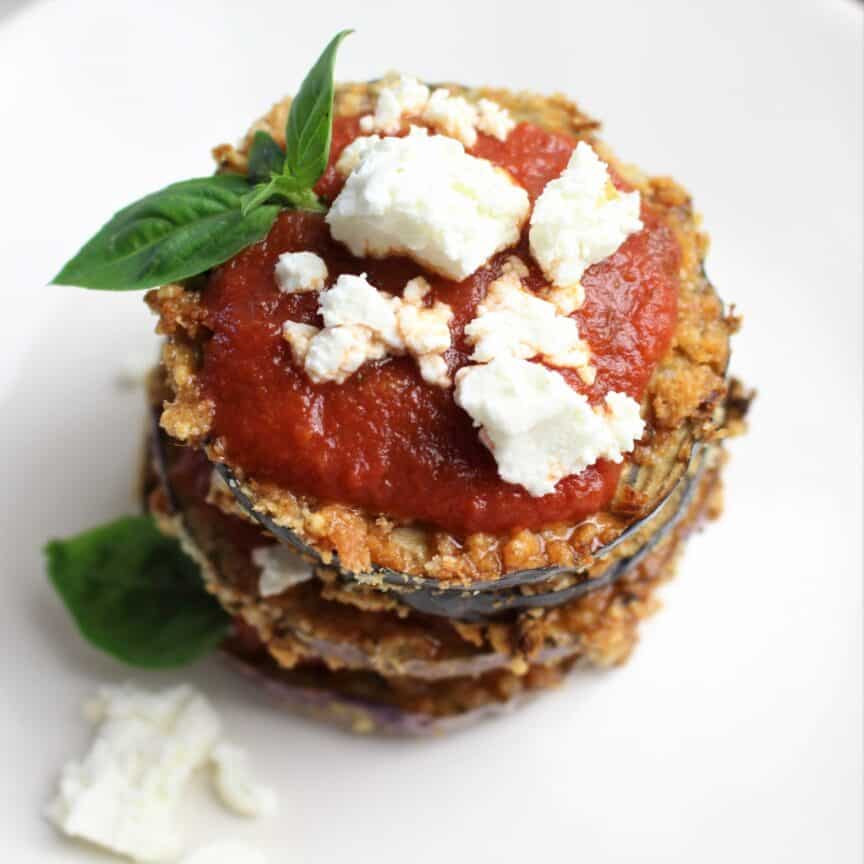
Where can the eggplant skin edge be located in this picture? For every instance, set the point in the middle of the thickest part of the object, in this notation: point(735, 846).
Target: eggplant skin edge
point(477, 601)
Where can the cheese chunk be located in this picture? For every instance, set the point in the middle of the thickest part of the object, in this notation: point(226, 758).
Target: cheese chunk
point(235, 784)
point(299, 272)
point(125, 793)
point(400, 96)
point(353, 300)
point(494, 120)
point(514, 322)
point(424, 197)
point(363, 323)
point(453, 116)
point(299, 337)
point(336, 353)
point(355, 153)
point(537, 427)
point(580, 218)
point(280, 569)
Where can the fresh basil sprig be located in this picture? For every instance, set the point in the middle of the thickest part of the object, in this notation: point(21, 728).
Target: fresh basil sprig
point(307, 138)
point(134, 594)
point(189, 227)
point(266, 157)
point(177, 232)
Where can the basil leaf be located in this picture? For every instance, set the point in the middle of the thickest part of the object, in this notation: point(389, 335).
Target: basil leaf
point(178, 232)
point(310, 128)
point(265, 157)
point(135, 594)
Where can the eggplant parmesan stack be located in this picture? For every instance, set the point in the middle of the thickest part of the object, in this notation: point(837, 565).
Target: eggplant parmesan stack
point(440, 442)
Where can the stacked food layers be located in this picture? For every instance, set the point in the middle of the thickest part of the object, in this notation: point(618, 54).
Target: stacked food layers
point(439, 444)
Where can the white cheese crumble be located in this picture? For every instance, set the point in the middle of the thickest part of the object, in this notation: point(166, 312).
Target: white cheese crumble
point(362, 323)
point(425, 197)
point(353, 300)
point(517, 323)
point(299, 272)
point(124, 794)
point(280, 569)
point(400, 96)
point(494, 120)
point(336, 353)
point(225, 853)
point(355, 153)
point(235, 784)
point(538, 428)
point(403, 96)
point(453, 116)
point(579, 219)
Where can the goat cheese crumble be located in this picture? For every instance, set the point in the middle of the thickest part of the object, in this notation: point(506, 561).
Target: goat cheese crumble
point(537, 427)
point(514, 322)
point(125, 793)
point(453, 116)
point(362, 323)
point(423, 196)
point(299, 272)
point(279, 569)
point(580, 218)
point(403, 96)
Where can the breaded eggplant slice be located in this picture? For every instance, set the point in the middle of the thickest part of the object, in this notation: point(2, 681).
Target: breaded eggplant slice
point(682, 406)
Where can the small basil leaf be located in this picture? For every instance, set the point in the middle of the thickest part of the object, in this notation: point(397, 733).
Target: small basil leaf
point(135, 594)
point(177, 232)
point(265, 157)
point(310, 128)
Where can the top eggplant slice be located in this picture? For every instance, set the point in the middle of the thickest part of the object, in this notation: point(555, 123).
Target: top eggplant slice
point(694, 366)
point(489, 599)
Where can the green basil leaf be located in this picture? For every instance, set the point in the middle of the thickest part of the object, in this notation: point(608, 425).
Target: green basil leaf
point(265, 157)
point(134, 593)
point(310, 128)
point(178, 232)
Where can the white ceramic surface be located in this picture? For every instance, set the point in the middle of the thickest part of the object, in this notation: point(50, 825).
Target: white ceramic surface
point(734, 735)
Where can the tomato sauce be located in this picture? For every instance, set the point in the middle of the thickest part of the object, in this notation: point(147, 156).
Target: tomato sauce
point(384, 440)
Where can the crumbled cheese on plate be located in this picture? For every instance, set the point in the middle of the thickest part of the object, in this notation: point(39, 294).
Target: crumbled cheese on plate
point(125, 793)
point(423, 196)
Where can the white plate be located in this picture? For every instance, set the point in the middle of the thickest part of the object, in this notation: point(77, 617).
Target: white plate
point(734, 734)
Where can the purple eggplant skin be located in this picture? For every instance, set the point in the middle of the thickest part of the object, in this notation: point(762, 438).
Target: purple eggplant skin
point(365, 716)
point(480, 600)
point(477, 601)
point(396, 579)
point(351, 657)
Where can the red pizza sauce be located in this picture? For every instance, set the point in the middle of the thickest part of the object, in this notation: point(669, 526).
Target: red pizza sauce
point(384, 440)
